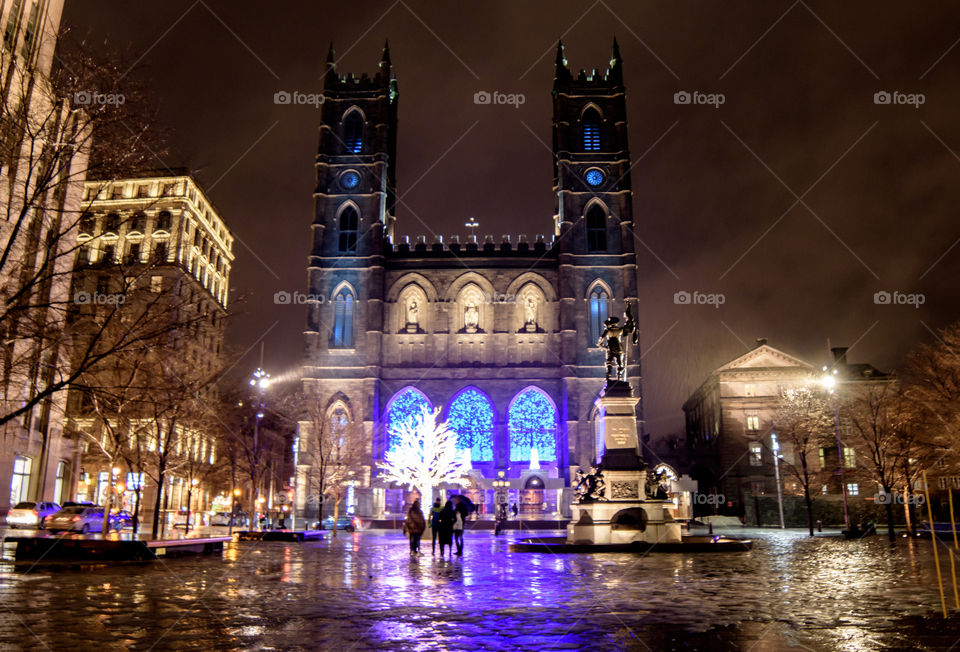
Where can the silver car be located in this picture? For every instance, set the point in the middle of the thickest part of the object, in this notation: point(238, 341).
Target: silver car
point(76, 519)
point(29, 514)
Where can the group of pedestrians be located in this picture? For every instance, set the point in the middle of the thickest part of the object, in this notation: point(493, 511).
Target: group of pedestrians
point(445, 523)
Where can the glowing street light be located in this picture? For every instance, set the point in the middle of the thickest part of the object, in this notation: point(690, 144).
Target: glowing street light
point(829, 382)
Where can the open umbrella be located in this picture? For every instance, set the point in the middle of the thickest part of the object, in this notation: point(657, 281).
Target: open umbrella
point(465, 501)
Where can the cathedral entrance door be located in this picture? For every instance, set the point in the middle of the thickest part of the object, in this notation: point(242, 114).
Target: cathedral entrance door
point(531, 498)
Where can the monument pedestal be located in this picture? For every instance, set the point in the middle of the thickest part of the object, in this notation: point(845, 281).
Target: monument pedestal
point(626, 515)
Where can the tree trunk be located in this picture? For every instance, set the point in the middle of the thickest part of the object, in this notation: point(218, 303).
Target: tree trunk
point(336, 515)
point(889, 507)
point(161, 476)
point(809, 503)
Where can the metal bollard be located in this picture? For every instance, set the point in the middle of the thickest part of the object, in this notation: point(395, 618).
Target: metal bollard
point(819, 526)
point(710, 528)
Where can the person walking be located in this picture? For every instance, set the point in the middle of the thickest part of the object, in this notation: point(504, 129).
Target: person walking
point(462, 513)
point(458, 532)
point(434, 522)
point(445, 527)
point(414, 525)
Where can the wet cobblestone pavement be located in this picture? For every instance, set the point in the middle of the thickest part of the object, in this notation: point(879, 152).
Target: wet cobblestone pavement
point(364, 591)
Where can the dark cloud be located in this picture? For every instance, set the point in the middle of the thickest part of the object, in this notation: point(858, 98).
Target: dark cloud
point(800, 97)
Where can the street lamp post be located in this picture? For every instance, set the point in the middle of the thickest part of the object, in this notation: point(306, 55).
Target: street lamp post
point(233, 507)
point(775, 447)
point(260, 382)
point(829, 382)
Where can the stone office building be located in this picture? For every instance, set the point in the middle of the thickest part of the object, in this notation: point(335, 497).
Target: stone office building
point(501, 335)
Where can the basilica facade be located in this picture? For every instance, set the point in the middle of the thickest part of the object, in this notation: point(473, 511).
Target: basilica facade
point(502, 336)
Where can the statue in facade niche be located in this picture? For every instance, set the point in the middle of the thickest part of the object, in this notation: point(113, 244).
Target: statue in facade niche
point(471, 316)
point(413, 313)
point(614, 340)
point(530, 311)
point(654, 489)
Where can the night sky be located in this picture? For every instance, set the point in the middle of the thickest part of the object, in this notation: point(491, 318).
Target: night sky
point(797, 199)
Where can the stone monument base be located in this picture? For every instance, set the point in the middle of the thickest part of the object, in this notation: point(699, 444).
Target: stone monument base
point(625, 520)
point(628, 515)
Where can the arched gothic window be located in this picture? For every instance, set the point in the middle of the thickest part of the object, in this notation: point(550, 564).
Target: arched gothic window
point(472, 416)
point(532, 424)
point(349, 226)
point(353, 132)
point(599, 302)
point(591, 130)
point(405, 404)
point(343, 309)
point(596, 228)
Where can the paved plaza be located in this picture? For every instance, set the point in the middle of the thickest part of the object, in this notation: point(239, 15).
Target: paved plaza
point(364, 591)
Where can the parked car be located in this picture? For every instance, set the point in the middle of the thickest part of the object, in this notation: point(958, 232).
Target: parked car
point(220, 519)
point(76, 519)
point(74, 503)
point(28, 514)
point(346, 523)
point(121, 520)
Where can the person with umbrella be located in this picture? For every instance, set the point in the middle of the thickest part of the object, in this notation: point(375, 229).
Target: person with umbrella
point(463, 508)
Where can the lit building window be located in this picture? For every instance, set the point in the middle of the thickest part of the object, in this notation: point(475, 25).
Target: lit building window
point(343, 306)
point(822, 455)
point(353, 133)
point(825, 489)
point(402, 407)
point(472, 417)
point(20, 480)
point(849, 458)
point(591, 130)
point(599, 310)
point(756, 454)
point(532, 424)
point(596, 229)
point(853, 489)
point(753, 423)
point(955, 481)
point(942, 482)
point(58, 485)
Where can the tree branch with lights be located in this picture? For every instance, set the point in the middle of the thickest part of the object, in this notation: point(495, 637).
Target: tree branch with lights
point(424, 454)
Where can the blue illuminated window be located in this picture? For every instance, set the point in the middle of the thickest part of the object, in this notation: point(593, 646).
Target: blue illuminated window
point(353, 133)
point(591, 130)
point(343, 307)
point(532, 423)
point(599, 310)
point(405, 404)
point(350, 179)
point(472, 417)
point(594, 177)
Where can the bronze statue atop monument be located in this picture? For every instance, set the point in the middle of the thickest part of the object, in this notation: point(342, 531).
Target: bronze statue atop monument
point(614, 340)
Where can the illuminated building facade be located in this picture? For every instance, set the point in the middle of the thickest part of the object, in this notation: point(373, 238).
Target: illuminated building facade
point(501, 335)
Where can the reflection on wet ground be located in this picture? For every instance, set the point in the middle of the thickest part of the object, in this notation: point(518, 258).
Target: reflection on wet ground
point(364, 591)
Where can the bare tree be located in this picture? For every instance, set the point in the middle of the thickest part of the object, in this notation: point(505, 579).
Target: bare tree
point(55, 131)
point(804, 421)
point(332, 444)
point(883, 433)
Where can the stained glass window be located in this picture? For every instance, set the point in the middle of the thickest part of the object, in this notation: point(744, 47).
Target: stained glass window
point(342, 334)
point(472, 417)
point(532, 423)
point(405, 404)
point(598, 312)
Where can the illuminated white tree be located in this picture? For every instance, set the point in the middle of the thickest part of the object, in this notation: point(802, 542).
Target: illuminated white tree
point(424, 454)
